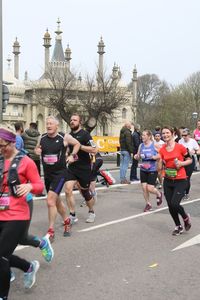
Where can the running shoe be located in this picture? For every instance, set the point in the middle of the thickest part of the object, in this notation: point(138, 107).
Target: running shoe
point(51, 235)
point(178, 230)
point(186, 197)
point(160, 186)
point(91, 218)
point(30, 277)
point(67, 227)
point(159, 199)
point(12, 276)
point(73, 219)
point(47, 250)
point(187, 223)
point(148, 207)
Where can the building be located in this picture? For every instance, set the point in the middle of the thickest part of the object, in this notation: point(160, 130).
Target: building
point(24, 105)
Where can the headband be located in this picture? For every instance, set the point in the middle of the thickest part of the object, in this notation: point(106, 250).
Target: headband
point(7, 135)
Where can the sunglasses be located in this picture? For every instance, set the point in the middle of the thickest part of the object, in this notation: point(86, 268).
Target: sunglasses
point(184, 135)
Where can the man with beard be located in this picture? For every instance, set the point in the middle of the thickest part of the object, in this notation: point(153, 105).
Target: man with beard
point(80, 170)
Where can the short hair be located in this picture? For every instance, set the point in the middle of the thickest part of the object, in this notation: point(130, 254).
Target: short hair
point(18, 126)
point(33, 125)
point(53, 118)
point(77, 115)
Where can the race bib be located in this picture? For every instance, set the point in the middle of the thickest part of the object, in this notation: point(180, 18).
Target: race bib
point(145, 166)
point(171, 172)
point(4, 201)
point(50, 159)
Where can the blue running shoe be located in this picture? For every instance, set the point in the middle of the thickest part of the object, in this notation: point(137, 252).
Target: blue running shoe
point(30, 277)
point(47, 250)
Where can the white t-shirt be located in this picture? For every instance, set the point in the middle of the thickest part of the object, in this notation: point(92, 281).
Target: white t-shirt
point(192, 145)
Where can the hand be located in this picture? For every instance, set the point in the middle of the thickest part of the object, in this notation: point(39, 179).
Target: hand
point(178, 164)
point(70, 159)
point(38, 150)
point(136, 156)
point(24, 189)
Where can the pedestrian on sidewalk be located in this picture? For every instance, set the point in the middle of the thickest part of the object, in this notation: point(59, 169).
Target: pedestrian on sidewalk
point(126, 148)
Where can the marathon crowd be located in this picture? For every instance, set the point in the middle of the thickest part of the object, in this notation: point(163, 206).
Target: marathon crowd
point(71, 160)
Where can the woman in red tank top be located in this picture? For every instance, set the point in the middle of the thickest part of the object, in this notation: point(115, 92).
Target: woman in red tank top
point(174, 157)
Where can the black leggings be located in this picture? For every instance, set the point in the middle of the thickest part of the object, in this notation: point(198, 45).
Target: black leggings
point(174, 191)
point(10, 234)
point(189, 170)
point(27, 239)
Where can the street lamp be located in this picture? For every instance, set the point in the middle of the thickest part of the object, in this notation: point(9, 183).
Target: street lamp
point(194, 117)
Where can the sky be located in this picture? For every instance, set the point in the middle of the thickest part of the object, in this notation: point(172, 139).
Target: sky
point(160, 36)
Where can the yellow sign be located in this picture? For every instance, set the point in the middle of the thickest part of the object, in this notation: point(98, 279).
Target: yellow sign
point(107, 143)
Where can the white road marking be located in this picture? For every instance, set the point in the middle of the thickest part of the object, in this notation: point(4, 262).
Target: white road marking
point(195, 240)
point(133, 217)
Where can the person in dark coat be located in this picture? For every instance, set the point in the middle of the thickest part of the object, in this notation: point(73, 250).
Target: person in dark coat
point(136, 137)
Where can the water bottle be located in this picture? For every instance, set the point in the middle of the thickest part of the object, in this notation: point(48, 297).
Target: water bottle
point(176, 161)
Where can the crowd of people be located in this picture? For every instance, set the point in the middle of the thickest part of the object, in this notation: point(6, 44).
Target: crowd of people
point(166, 158)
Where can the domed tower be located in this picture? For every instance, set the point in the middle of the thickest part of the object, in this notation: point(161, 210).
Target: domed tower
point(47, 45)
point(58, 58)
point(134, 94)
point(68, 53)
point(16, 52)
point(101, 52)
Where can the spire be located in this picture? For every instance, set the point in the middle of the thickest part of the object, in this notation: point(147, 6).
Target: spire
point(134, 74)
point(16, 52)
point(9, 62)
point(68, 53)
point(47, 39)
point(58, 53)
point(101, 51)
point(101, 47)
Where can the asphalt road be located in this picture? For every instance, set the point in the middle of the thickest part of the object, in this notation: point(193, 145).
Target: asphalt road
point(125, 255)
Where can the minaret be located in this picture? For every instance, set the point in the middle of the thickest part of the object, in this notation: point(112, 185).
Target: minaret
point(101, 52)
point(47, 45)
point(58, 57)
point(134, 94)
point(115, 70)
point(16, 53)
point(68, 53)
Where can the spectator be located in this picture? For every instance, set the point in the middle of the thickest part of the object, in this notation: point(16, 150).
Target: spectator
point(19, 131)
point(30, 138)
point(136, 136)
point(126, 148)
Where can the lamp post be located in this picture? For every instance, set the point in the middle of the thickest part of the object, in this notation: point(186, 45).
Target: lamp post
point(194, 117)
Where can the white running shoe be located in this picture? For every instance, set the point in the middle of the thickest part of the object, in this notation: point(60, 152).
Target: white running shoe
point(91, 218)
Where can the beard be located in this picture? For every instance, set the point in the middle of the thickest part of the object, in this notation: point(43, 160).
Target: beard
point(74, 128)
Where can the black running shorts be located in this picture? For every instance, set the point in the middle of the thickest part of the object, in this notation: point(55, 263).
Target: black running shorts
point(148, 177)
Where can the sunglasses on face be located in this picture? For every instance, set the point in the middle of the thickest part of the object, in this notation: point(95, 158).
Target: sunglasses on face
point(183, 135)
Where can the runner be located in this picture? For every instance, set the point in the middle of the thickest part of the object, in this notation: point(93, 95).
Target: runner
point(158, 144)
point(52, 147)
point(196, 135)
point(175, 157)
point(14, 210)
point(193, 148)
point(148, 169)
point(80, 170)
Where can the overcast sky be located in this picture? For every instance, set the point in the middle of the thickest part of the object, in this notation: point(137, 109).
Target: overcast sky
point(159, 36)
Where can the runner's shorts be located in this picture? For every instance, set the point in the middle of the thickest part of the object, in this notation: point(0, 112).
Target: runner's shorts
point(55, 181)
point(148, 177)
point(82, 175)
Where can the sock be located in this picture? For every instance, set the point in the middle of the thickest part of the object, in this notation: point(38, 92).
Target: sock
point(73, 214)
point(91, 211)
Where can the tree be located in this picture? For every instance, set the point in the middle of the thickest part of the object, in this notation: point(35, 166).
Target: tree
point(96, 98)
point(151, 92)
